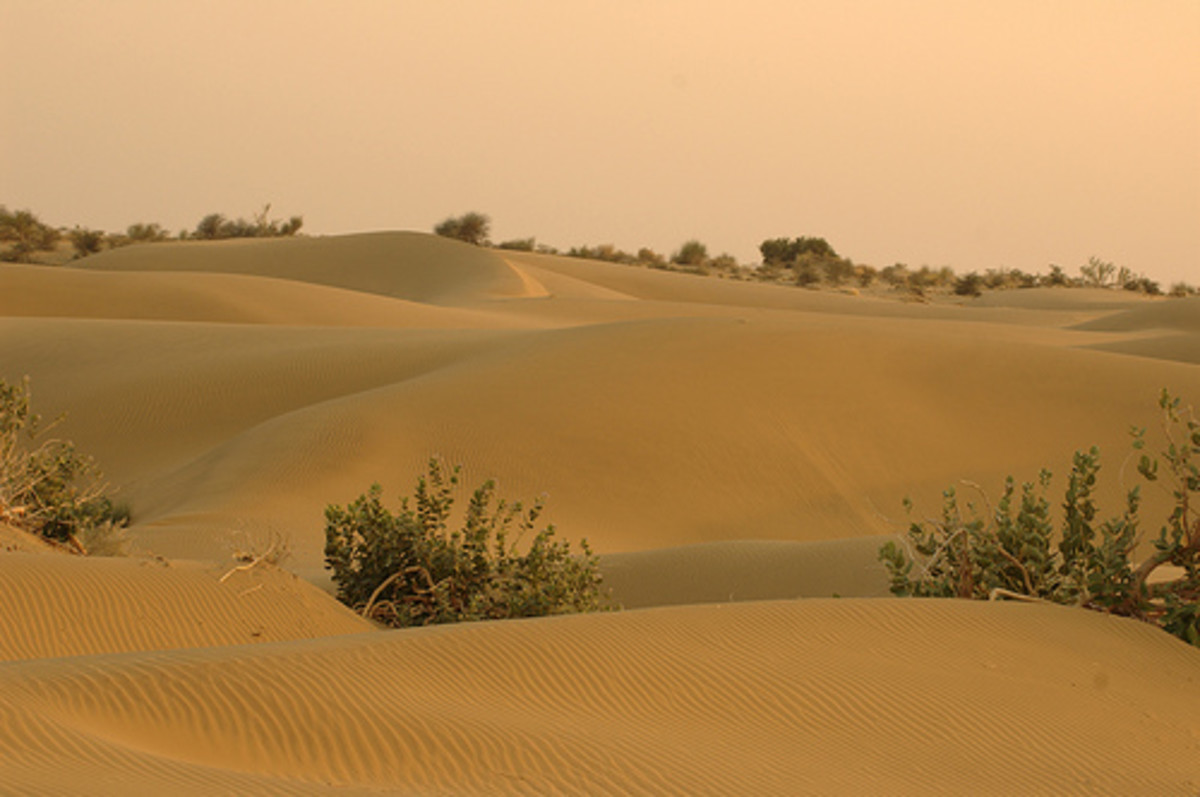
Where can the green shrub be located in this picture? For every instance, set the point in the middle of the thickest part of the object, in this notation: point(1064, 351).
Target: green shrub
point(46, 486)
point(1011, 552)
point(405, 569)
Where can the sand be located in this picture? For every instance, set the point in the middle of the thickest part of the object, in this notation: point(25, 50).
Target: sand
point(736, 452)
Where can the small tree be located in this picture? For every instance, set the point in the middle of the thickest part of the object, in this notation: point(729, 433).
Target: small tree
point(1098, 273)
point(473, 228)
point(405, 569)
point(1011, 553)
point(692, 253)
point(26, 234)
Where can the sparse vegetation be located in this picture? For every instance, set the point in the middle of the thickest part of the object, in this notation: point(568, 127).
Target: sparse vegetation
point(1011, 550)
point(86, 242)
point(46, 486)
point(406, 569)
point(25, 234)
point(215, 227)
point(472, 228)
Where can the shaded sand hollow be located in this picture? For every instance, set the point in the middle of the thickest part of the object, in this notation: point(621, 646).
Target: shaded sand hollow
point(736, 452)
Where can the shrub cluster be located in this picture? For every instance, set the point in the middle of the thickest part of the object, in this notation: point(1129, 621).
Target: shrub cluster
point(406, 569)
point(215, 226)
point(472, 228)
point(1012, 552)
point(46, 486)
point(25, 235)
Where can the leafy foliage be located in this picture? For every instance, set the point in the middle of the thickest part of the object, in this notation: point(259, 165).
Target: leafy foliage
point(46, 486)
point(473, 228)
point(406, 569)
point(1011, 552)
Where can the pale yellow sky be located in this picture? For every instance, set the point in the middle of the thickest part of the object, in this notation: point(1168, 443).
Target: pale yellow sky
point(965, 133)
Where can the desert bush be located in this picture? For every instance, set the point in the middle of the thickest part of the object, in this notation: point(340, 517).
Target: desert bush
point(470, 227)
point(969, 285)
point(145, 233)
point(895, 275)
point(866, 275)
point(1056, 278)
point(86, 242)
point(648, 257)
point(1144, 285)
point(26, 234)
point(215, 226)
point(1181, 289)
point(782, 251)
point(46, 486)
point(1098, 273)
point(1011, 551)
point(692, 253)
point(405, 569)
point(518, 244)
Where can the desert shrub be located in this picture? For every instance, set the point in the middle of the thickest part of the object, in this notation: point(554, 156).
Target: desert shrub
point(969, 285)
point(25, 234)
point(895, 275)
point(1098, 273)
point(1144, 285)
point(1013, 552)
point(648, 257)
point(1181, 289)
point(692, 253)
point(86, 242)
point(783, 251)
point(46, 486)
point(866, 275)
point(518, 244)
point(405, 569)
point(1056, 278)
point(215, 226)
point(145, 233)
point(472, 228)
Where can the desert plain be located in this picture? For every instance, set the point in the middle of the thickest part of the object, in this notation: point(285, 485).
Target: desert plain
point(735, 452)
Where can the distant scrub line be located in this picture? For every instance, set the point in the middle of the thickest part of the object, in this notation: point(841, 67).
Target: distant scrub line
point(809, 262)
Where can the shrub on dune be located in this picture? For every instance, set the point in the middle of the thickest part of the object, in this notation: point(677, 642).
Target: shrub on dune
point(47, 487)
point(1012, 551)
point(472, 228)
point(407, 569)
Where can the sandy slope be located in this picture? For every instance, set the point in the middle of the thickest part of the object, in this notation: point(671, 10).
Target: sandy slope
point(845, 697)
point(719, 442)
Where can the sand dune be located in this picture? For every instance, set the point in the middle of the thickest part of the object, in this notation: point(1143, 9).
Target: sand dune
point(720, 443)
point(845, 697)
point(72, 606)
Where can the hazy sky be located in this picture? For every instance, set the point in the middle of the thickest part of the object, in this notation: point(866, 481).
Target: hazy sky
point(965, 133)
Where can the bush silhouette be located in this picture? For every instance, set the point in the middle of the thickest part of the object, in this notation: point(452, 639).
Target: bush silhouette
point(1012, 551)
point(405, 569)
point(471, 227)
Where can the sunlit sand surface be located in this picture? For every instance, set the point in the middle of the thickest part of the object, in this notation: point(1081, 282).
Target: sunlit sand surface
point(736, 452)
